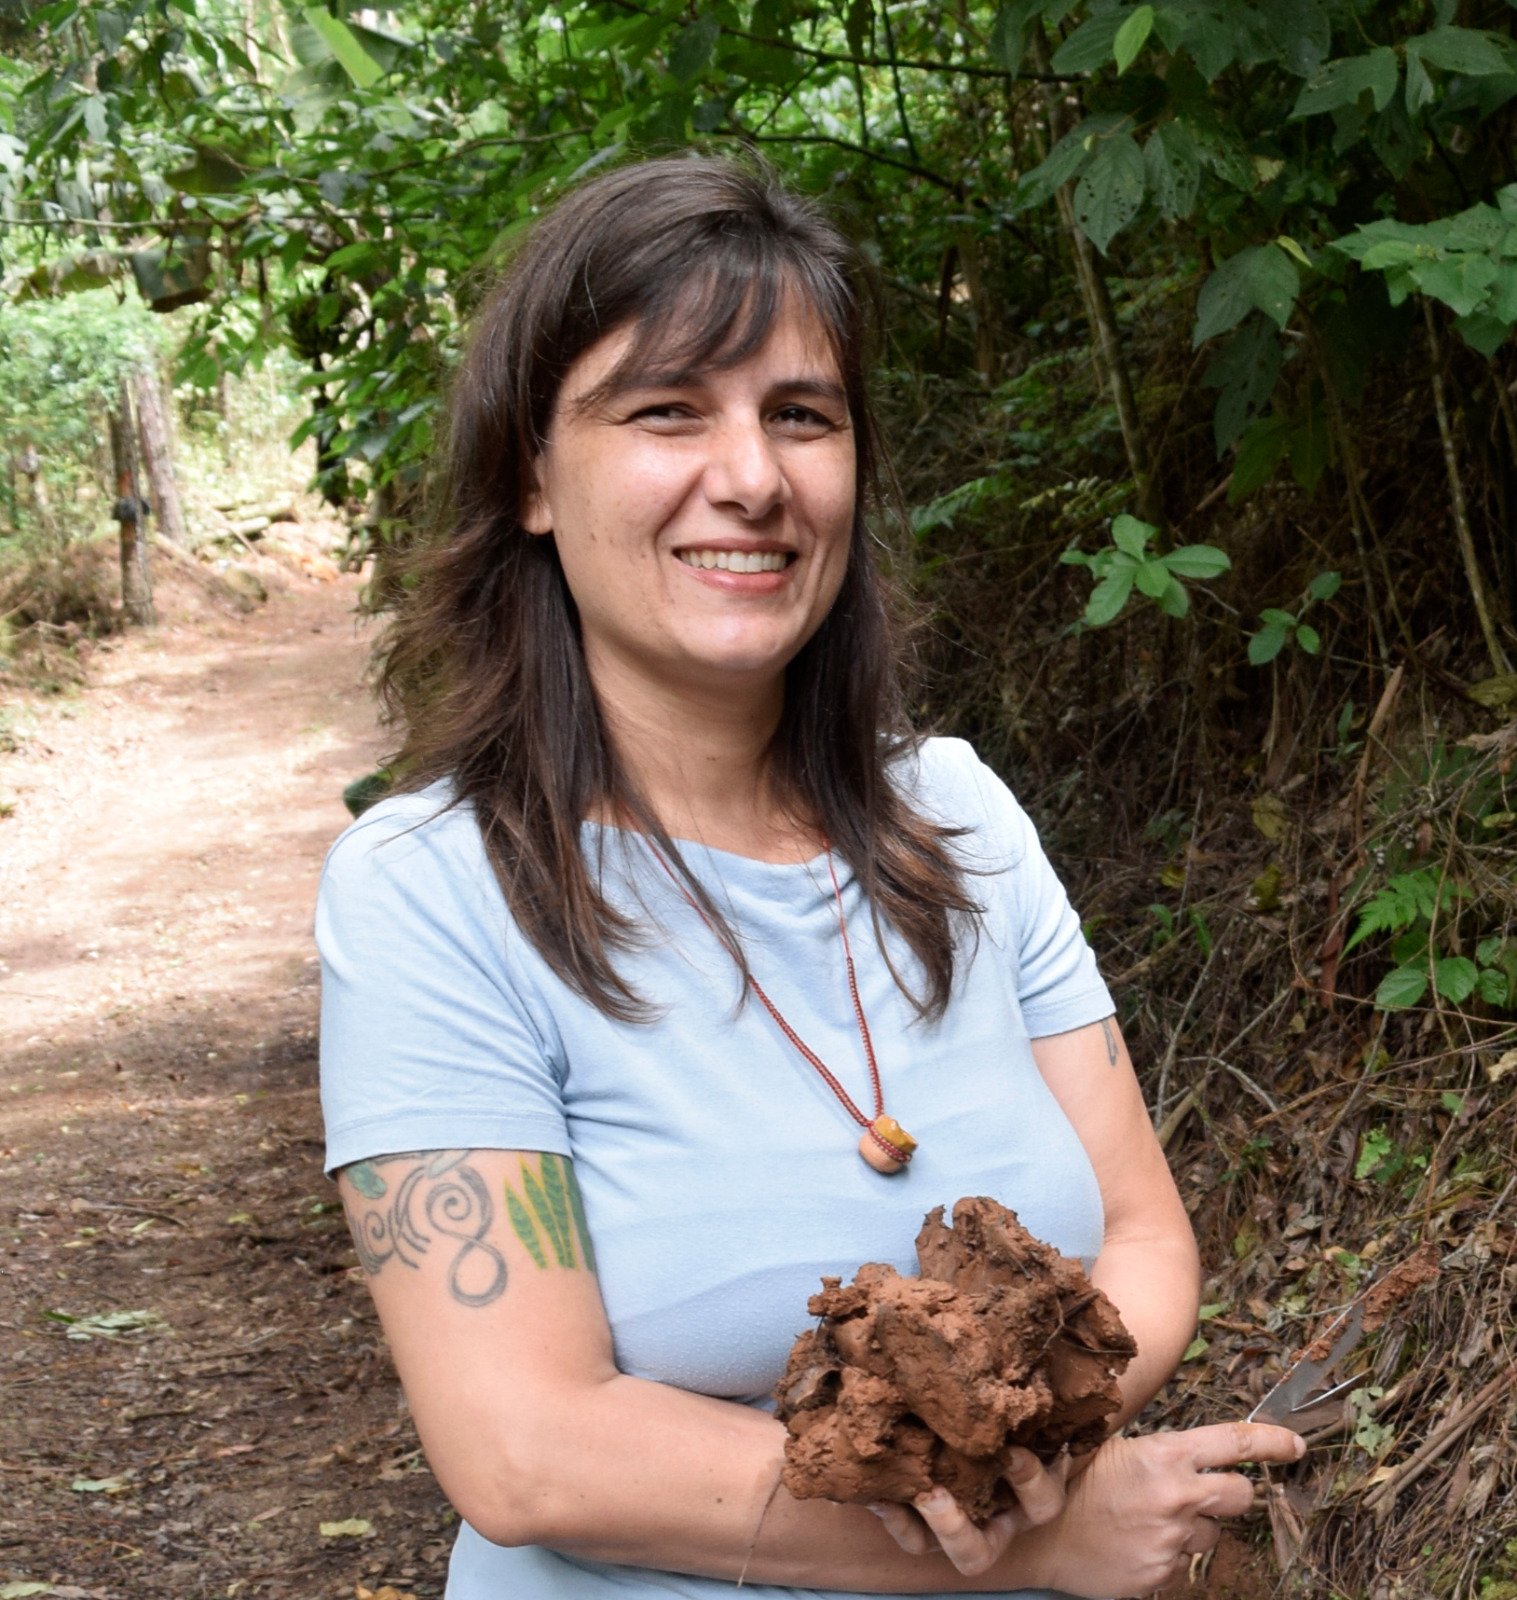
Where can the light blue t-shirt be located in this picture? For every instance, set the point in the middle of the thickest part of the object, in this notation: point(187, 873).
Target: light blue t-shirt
point(720, 1175)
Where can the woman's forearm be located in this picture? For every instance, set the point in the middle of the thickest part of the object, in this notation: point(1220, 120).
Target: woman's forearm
point(651, 1476)
point(1155, 1285)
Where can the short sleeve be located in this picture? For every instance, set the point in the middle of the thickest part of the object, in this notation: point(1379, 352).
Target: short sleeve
point(1058, 984)
point(430, 1037)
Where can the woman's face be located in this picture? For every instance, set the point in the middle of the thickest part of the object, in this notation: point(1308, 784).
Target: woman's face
point(702, 519)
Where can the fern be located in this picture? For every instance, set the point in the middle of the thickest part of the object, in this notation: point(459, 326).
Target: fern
point(1404, 901)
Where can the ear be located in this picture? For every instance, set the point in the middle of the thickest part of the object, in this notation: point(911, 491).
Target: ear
point(536, 514)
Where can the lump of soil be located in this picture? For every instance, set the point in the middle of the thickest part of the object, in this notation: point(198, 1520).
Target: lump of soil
point(908, 1383)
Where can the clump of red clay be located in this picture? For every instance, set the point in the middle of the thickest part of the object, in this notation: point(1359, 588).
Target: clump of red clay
point(910, 1383)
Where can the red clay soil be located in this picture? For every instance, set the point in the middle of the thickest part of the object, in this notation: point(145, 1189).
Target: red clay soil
point(193, 1377)
point(908, 1383)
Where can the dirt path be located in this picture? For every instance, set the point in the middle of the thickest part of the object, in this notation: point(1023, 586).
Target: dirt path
point(221, 1392)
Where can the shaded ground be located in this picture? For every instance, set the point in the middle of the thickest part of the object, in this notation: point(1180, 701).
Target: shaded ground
point(159, 1133)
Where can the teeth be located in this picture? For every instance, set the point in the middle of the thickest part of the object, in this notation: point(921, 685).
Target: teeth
point(736, 560)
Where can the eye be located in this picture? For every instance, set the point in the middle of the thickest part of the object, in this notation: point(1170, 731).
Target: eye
point(801, 419)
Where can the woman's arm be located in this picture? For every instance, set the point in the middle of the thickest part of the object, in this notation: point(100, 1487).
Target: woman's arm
point(501, 1342)
point(1148, 1263)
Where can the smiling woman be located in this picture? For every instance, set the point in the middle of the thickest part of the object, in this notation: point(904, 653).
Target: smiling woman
point(655, 767)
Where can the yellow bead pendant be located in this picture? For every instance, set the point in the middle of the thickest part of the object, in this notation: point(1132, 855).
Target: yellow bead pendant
point(886, 1145)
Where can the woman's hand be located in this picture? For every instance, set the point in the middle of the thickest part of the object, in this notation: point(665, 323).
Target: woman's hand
point(1148, 1504)
point(938, 1522)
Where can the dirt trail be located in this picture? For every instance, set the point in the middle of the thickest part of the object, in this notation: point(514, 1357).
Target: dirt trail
point(160, 1135)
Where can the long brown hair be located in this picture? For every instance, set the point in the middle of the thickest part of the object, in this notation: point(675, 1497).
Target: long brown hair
point(483, 665)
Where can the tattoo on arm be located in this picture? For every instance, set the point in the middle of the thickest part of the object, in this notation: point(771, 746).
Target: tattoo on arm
point(1109, 1033)
point(554, 1208)
point(402, 1205)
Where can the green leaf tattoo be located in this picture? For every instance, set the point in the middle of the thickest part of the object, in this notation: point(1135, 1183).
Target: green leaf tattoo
point(581, 1226)
point(563, 1246)
point(554, 1210)
point(365, 1178)
point(521, 1224)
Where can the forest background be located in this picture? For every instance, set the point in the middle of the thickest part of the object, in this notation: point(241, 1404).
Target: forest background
point(1200, 380)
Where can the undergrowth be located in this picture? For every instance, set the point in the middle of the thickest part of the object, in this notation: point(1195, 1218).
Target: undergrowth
point(1296, 855)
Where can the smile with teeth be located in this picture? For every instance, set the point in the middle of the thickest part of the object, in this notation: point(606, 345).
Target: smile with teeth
point(737, 560)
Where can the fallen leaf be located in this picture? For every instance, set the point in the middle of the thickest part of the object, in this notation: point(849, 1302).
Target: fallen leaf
point(353, 1528)
point(389, 1592)
point(21, 1588)
point(1496, 1070)
point(100, 1485)
point(1269, 814)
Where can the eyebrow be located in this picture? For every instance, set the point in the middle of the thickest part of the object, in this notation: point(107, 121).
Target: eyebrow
point(614, 386)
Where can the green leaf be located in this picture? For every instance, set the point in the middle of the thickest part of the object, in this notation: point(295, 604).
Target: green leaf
point(691, 51)
point(1462, 50)
point(1108, 597)
point(1375, 1149)
point(1308, 638)
point(1341, 82)
point(341, 41)
point(1172, 167)
point(1419, 87)
point(1400, 988)
point(1245, 369)
point(1110, 191)
point(1460, 281)
point(1173, 599)
point(1197, 561)
point(1483, 332)
point(1131, 37)
point(1304, 34)
point(1492, 987)
point(1091, 44)
point(1130, 535)
point(1008, 33)
point(1275, 614)
point(1325, 585)
point(1260, 451)
point(521, 1226)
point(1455, 978)
point(1066, 161)
point(1258, 277)
point(1266, 644)
point(1152, 578)
point(95, 119)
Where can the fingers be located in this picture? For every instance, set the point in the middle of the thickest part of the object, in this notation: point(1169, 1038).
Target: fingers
point(905, 1527)
point(972, 1550)
point(1225, 1494)
point(1041, 1491)
point(1226, 1444)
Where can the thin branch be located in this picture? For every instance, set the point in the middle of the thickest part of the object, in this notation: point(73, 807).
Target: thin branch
point(839, 58)
point(859, 150)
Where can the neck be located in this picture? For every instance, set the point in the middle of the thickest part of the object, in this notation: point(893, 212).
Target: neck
point(699, 756)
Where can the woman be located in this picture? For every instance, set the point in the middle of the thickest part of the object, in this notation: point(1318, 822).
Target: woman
point(602, 992)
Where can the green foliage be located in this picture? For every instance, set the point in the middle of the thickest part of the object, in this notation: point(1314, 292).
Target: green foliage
point(61, 362)
point(1127, 564)
point(1286, 627)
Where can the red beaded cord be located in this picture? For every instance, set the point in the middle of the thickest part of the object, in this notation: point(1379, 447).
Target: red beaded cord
point(895, 1152)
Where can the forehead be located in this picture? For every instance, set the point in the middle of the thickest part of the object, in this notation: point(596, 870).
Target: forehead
point(792, 338)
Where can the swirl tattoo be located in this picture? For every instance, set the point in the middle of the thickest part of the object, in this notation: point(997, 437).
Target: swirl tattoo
point(439, 1196)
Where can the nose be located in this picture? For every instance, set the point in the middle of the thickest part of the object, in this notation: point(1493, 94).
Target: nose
point(744, 470)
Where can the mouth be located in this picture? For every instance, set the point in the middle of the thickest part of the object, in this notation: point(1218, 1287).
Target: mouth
point(737, 560)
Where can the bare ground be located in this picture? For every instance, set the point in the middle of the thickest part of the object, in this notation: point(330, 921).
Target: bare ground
point(160, 1133)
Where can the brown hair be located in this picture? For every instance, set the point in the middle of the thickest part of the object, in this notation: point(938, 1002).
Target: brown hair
point(483, 664)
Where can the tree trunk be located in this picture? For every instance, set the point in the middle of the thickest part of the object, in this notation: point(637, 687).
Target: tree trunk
point(130, 511)
point(158, 456)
